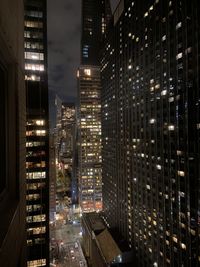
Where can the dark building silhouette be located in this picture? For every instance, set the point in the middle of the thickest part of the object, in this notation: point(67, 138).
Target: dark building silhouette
point(95, 17)
point(12, 135)
point(37, 134)
point(151, 129)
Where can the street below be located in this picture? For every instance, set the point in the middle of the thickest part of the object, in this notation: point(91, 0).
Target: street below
point(66, 237)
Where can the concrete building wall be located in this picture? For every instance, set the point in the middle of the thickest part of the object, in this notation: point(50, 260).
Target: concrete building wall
point(12, 195)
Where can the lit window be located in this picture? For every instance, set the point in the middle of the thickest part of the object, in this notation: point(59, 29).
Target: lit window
point(34, 56)
point(179, 55)
point(163, 92)
point(178, 25)
point(33, 24)
point(32, 78)
point(158, 167)
point(34, 67)
point(87, 72)
point(171, 127)
point(183, 246)
point(179, 153)
point(157, 86)
point(181, 173)
point(36, 263)
point(152, 121)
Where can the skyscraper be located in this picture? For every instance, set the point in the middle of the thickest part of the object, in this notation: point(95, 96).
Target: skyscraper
point(37, 135)
point(95, 15)
point(95, 18)
point(12, 135)
point(89, 139)
point(151, 130)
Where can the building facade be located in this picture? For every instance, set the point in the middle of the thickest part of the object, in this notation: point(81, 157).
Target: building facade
point(151, 130)
point(12, 136)
point(37, 134)
point(95, 17)
point(89, 139)
point(52, 179)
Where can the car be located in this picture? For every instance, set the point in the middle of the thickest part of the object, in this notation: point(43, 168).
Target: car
point(81, 264)
point(76, 245)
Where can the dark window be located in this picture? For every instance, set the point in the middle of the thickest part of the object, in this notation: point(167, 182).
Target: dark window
point(2, 131)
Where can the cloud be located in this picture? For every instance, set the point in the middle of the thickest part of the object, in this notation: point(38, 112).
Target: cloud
point(64, 34)
point(64, 25)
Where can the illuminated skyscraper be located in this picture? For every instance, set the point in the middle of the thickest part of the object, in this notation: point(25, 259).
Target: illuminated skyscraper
point(95, 17)
point(151, 130)
point(37, 135)
point(89, 150)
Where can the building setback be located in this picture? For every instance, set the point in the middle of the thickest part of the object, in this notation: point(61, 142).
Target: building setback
point(37, 134)
point(12, 136)
point(151, 129)
point(95, 17)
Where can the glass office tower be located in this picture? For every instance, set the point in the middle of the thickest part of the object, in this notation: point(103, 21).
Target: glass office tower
point(95, 17)
point(37, 134)
point(151, 129)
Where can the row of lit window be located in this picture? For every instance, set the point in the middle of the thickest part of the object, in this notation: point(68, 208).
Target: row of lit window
point(31, 197)
point(36, 175)
point(34, 13)
point(36, 218)
point(31, 208)
point(36, 263)
point(37, 230)
point(34, 55)
point(90, 145)
point(34, 45)
point(32, 78)
point(34, 24)
point(36, 133)
point(41, 164)
point(33, 34)
point(34, 67)
point(35, 144)
point(35, 186)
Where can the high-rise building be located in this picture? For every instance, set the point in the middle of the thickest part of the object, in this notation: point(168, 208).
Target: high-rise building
point(95, 18)
point(89, 138)
point(151, 129)
point(12, 135)
point(37, 134)
point(52, 179)
point(68, 133)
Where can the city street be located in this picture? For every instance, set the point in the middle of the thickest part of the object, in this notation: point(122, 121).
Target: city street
point(65, 237)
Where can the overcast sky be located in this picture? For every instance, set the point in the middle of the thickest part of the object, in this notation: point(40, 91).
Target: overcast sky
point(64, 27)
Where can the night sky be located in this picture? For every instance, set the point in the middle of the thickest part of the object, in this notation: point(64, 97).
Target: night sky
point(64, 27)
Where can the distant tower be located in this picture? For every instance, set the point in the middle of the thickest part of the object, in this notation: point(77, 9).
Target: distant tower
point(37, 133)
point(95, 17)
